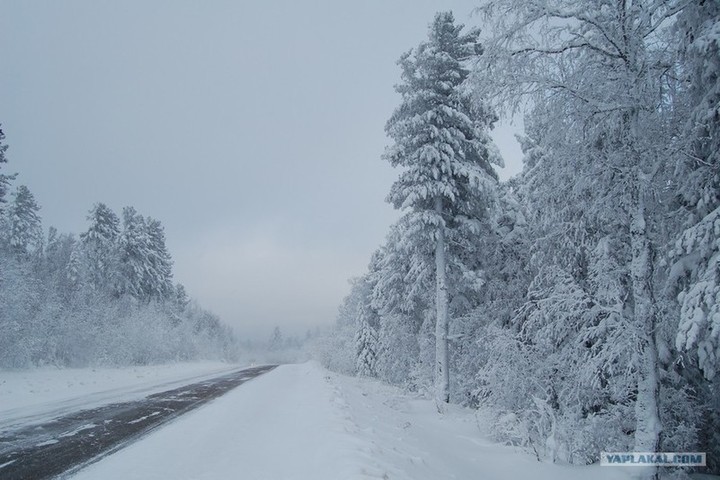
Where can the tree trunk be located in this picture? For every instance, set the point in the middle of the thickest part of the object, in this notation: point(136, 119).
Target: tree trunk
point(647, 414)
point(442, 374)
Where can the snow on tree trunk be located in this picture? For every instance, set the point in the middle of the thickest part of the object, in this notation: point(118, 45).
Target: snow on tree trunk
point(442, 373)
point(647, 415)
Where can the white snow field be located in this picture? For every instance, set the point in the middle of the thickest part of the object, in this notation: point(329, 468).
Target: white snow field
point(302, 422)
point(34, 396)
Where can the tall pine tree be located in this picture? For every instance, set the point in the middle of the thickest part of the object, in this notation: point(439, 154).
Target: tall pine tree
point(441, 142)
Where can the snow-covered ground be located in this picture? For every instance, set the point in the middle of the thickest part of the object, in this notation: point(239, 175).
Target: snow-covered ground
point(302, 422)
point(34, 396)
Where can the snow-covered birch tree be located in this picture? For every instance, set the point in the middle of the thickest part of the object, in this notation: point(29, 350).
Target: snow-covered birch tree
point(441, 142)
point(597, 73)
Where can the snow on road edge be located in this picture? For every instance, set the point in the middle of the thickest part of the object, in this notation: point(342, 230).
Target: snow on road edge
point(34, 396)
point(412, 441)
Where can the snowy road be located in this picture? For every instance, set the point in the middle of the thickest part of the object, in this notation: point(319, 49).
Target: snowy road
point(302, 422)
point(298, 422)
point(49, 449)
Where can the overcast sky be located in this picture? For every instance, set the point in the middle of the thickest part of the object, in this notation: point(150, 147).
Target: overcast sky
point(253, 130)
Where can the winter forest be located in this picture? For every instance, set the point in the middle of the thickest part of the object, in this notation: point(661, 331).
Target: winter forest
point(577, 303)
point(104, 297)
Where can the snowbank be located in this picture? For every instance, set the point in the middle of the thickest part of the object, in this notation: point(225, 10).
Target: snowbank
point(413, 441)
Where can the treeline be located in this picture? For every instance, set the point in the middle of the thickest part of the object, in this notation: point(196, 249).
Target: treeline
point(103, 298)
point(582, 295)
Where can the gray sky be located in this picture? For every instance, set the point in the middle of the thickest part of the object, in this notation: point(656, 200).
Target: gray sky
point(252, 130)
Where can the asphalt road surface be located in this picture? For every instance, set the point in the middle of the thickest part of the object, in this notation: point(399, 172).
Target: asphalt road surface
point(67, 443)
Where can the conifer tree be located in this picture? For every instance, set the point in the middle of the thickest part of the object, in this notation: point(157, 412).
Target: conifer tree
point(276, 341)
point(4, 178)
point(695, 281)
point(158, 282)
point(181, 297)
point(100, 246)
point(133, 254)
point(367, 323)
point(441, 142)
point(697, 250)
point(25, 229)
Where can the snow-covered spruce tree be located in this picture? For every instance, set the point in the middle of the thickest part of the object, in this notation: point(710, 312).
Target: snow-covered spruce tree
point(4, 177)
point(145, 263)
point(366, 337)
point(502, 259)
point(441, 142)
point(74, 270)
point(181, 299)
point(402, 275)
point(19, 293)
point(695, 278)
point(158, 283)
point(574, 321)
point(25, 228)
point(335, 349)
point(59, 253)
point(276, 340)
point(133, 254)
point(697, 250)
point(100, 247)
point(4, 185)
point(53, 312)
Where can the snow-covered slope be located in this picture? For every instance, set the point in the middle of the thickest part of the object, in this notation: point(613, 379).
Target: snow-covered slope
point(302, 422)
point(413, 441)
point(33, 396)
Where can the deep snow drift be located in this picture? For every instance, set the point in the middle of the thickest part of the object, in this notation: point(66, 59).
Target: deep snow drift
point(302, 422)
